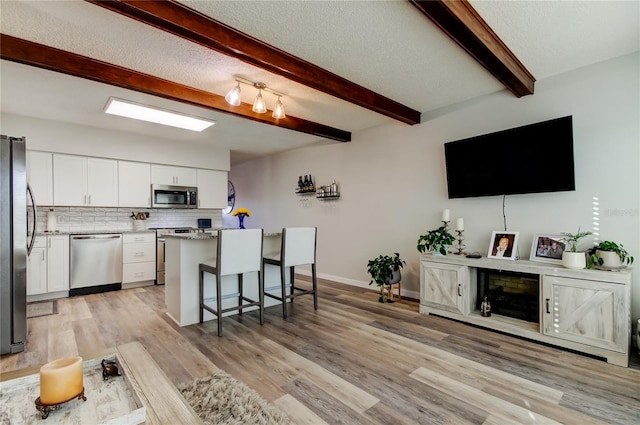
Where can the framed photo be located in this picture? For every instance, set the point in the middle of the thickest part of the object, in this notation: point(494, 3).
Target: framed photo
point(504, 245)
point(547, 248)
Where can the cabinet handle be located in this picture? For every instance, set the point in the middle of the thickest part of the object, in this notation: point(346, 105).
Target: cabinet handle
point(84, 199)
point(548, 312)
point(89, 199)
point(139, 254)
point(49, 240)
point(42, 255)
point(459, 290)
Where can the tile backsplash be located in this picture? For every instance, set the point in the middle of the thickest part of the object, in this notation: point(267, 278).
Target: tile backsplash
point(70, 219)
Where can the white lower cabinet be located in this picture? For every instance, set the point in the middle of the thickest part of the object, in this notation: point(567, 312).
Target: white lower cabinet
point(446, 287)
point(37, 267)
point(48, 265)
point(585, 311)
point(138, 257)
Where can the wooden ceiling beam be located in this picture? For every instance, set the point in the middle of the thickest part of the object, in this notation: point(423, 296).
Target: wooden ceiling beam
point(52, 59)
point(180, 20)
point(460, 21)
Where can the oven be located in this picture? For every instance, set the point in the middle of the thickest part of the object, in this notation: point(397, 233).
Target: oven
point(160, 249)
point(160, 260)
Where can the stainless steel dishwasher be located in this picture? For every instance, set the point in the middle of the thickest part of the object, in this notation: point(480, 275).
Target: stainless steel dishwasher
point(96, 263)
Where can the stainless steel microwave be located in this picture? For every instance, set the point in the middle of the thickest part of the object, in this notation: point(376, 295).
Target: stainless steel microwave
point(163, 196)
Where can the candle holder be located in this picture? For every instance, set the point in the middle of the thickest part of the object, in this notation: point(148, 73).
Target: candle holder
point(445, 224)
point(109, 369)
point(45, 409)
point(460, 246)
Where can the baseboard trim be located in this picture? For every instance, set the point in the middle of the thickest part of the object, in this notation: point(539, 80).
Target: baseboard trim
point(360, 284)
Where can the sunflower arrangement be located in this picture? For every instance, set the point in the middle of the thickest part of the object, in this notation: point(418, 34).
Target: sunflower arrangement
point(243, 211)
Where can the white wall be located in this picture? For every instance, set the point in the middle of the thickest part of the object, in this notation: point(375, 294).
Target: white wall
point(392, 178)
point(60, 137)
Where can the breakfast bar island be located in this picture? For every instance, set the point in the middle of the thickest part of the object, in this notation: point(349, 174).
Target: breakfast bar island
point(185, 252)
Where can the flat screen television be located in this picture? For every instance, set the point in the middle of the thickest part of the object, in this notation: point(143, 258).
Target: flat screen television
point(533, 158)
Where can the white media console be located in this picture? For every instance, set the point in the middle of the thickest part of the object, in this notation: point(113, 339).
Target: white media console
point(583, 310)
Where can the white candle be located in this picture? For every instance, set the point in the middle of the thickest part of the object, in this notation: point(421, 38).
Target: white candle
point(460, 224)
point(61, 380)
point(445, 215)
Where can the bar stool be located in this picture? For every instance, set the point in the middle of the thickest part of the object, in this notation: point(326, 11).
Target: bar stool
point(298, 248)
point(239, 252)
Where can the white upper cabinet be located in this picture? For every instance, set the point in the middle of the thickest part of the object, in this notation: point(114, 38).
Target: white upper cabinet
point(134, 184)
point(69, 180)
point(173, 176)
point(212, 189)
point(102, 182)
point(82, 181)
point(40, 176)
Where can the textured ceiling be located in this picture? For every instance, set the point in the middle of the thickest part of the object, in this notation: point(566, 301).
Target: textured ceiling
point(386, 46)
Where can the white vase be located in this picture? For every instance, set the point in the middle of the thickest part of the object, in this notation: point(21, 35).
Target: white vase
point(610, 259)
point(574, 260)
point(139, 225)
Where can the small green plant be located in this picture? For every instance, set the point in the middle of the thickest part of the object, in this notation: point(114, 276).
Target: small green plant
point(436, 240)
point(572, 239)
point(625, 257)
point(381, 268)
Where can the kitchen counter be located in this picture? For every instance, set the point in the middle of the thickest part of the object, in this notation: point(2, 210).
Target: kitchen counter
point(184, 253)
point(206, 235)
point(93, 232)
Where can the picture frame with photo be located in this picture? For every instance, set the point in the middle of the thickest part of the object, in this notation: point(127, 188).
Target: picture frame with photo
point(547, 248)
point(504, 245)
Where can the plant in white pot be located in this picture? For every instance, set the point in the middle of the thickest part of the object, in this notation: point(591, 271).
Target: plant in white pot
point(436, 241)
point(610, 255)
point(572, 258)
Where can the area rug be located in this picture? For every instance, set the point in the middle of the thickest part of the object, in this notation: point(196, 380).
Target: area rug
point(42, 308)
point(221, 399)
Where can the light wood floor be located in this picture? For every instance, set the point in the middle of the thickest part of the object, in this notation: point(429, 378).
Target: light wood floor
point(354, 361)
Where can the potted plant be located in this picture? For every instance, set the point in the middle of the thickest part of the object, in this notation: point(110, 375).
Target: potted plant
point(572, 258)
point(610, 255)
point(385, 271)
point(436, 241)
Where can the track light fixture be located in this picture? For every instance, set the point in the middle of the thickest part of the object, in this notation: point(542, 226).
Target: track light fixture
point(259, 105)
point(233, 97)
point(278, 111)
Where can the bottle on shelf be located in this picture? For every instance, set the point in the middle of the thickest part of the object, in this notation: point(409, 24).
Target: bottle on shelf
point(305, 183)
point(312, 187)
point(300, 184)
point(334, 188)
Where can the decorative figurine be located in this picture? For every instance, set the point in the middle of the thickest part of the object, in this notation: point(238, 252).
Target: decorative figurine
point(485, 307)
point(109, 369)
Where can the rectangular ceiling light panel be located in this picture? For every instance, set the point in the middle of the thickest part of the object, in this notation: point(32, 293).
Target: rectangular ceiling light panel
point(125, 108)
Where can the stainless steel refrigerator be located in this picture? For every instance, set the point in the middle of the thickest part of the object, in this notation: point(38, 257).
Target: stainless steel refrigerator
point(15, 244)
